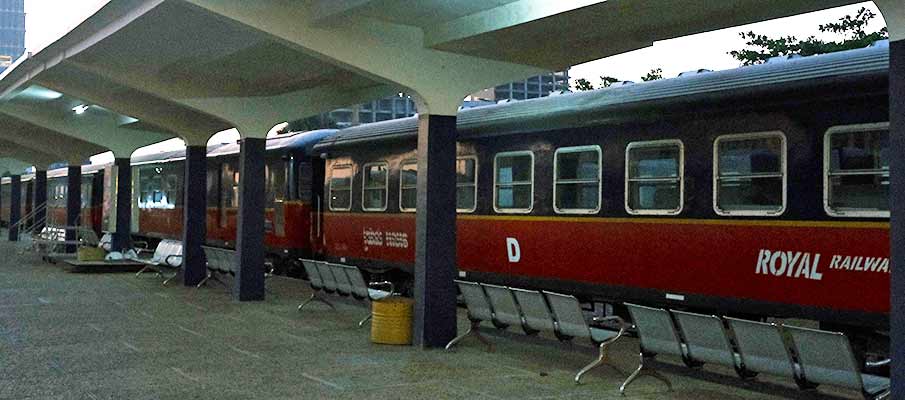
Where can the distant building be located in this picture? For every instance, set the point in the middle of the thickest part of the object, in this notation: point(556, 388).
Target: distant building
point(12, 31)
point(402, 106)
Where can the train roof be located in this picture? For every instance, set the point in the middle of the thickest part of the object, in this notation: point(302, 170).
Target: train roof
point(597, 106)
point(58, 172)
point(296, 140)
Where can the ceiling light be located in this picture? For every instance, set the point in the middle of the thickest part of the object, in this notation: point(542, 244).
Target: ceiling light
point(80, 109)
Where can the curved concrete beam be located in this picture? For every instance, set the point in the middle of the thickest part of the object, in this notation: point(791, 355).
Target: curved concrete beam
point(894, 14)
point(32, 136)
point(34, 157)
point(14, 166)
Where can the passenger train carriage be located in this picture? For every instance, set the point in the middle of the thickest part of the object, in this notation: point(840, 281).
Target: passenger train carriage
point(760, 191)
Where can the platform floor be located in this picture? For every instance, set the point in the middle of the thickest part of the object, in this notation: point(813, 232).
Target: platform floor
point(115, 336)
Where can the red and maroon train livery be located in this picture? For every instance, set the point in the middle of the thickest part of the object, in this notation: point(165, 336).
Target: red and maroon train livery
point(760, 191)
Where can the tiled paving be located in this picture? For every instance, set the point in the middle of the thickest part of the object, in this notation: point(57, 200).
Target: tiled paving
point(115, 336)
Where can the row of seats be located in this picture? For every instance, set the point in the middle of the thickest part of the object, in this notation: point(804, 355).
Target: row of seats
point(535, 311)
point(807, 356)
point(343, 280)
point(167, 257)
point(219, 261)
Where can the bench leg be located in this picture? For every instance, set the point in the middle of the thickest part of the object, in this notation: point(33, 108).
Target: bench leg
point(315, 296)
point(141, 271)
point(604, 353)
point(473, 329)
point(366, 319)
point(644, 370)
point(166, 281)
point(204, 281)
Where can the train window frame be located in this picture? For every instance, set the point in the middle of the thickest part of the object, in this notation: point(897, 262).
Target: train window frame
point(496, 185)
point(556, 180)
point(681, 176)
point(847, 213)
point(474, 185)
point(783, 171)
point(351, 168)
point(386, 186)
point(414, 162)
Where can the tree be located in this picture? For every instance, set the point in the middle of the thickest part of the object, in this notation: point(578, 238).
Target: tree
point(653, 75)
point(311, 123)
point(853, 30)
point(607, 81)
point(582, 84)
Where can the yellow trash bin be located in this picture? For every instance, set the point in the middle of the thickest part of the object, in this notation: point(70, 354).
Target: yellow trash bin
point(392, 321)
point(86, 254)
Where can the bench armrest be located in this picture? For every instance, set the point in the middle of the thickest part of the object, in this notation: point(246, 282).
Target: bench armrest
point(381, 286)
point(609, 321)
point(174, 264)
point(877, 364)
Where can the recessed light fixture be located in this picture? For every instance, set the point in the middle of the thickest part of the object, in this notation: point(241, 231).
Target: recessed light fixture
point(80, 109)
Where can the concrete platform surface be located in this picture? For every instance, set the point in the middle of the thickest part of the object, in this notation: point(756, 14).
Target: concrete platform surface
point(117, 336)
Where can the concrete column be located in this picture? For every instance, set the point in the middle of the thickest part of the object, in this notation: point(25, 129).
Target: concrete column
point(435, 235)
point(897, 213)
point(194, 221)
point(73, 203)
point(122, 236)
point(249, 284)
point(40, 199)
point(15, 206)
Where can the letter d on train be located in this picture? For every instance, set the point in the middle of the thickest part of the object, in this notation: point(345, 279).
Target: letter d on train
point(513, 250)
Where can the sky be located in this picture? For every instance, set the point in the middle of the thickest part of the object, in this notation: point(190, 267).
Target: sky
point(47, 20)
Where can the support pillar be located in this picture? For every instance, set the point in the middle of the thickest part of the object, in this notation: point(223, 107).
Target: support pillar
point(73, 204)
point(29, 203)
point(897, 214)
point(194, 223)
point(249, 284)
point(122, 236)
point(40, 200)
point(15, 206)
point(435, 236)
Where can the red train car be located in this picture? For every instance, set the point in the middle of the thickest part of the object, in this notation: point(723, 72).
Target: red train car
point(291, 204)
point(760, 191)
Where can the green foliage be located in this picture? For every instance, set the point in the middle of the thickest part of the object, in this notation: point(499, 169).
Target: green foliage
point(311, 123)
point(853, 29)
point(653, 75)
point(582, 85)
point(607, 81)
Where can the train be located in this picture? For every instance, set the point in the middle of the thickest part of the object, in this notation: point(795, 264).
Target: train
point(759, 192)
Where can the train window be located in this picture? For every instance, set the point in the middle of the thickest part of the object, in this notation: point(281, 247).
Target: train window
point(374, 187)
point(341, 188)
point(408, 185)
point(750, 174)
point(466, 184)
point(856, 170)
point(654, 177)
point(513, 189)
point(576, 180)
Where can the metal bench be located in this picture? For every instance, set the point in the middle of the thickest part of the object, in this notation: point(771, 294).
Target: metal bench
point(570, 322)
point(506, 310)
point(707, 341)
point(219, 261)
point(762, 349)
point(316, 282)
point(343, 280)
point(106, 242)
point(478, 308)
point(658, 335)
point(167, 256)
point(827, 358)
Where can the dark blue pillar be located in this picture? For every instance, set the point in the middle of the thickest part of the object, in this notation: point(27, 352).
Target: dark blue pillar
point(40, 200)
point(250, 233)
point(122, 236)
point(435, 234)
point(194, 222)
point(73, 204)
point(15, 206)
point(897, 214)
point(29, 203)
